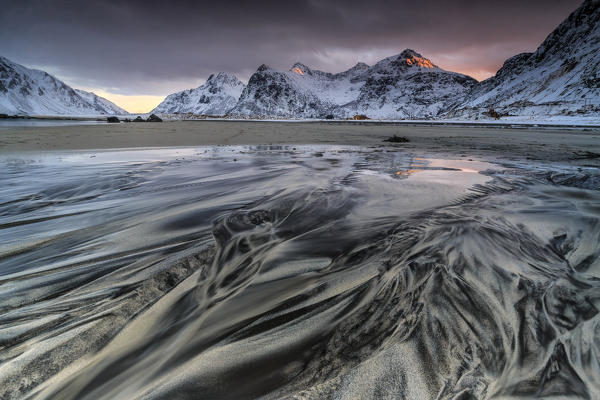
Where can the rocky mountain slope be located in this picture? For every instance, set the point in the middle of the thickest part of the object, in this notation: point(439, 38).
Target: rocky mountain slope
point(217, 96)
point(562, 77)
point(272, 93)
point(25, 91)
point(407, 85)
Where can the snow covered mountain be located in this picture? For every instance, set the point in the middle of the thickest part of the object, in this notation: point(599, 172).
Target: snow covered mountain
point(27, 91)
point(562, 77)
point(217, 96)
point(272, 93)
point(407, 85)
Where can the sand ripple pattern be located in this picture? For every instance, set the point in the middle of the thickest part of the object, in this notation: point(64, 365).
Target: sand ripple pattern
point(299, 273)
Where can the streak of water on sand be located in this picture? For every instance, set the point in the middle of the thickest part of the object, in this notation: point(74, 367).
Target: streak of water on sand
point(306, 272)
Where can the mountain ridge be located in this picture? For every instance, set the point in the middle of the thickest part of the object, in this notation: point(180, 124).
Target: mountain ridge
point(310, 93)
point(216, 96)
point(35, 92)
point(560, 78)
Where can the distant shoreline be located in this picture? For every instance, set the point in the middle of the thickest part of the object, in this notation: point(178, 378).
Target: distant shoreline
point(53, 117)
point(440, 123)
point(516, 124)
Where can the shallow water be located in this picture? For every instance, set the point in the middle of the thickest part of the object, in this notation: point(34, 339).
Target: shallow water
point(17, 122)
point(307, 271)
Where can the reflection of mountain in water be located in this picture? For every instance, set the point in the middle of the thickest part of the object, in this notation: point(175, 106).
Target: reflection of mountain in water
point(330, 275)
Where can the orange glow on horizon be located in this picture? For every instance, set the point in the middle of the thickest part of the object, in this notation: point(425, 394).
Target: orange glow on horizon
point(135, 104)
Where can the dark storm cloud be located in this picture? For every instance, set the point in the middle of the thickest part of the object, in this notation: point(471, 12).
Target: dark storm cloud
point(154, 47)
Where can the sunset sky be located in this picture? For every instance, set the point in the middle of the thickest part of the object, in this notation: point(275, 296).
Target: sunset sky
point(136, 52)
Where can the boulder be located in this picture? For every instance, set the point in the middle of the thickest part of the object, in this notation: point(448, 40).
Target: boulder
point(154, 118)
point(138, 119)
point(112, 120)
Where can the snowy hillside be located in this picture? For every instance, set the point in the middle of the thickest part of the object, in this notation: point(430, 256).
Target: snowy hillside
point(407, 85)
point(403, 86)
point(101, 103)
point(562, 77)
point(27, 91)
point(217, 96)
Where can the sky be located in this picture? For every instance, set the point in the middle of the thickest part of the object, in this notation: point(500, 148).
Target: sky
point(136, 52)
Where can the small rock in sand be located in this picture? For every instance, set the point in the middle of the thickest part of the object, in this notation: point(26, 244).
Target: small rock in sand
point(397, 139)
point(154, 118)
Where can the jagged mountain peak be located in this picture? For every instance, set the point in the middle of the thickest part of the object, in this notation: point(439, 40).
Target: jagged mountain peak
point(414, 59)
point(361, 65)
point(263, 67)
point(408, 61)
point(409, 53)
point(223, 77)
point(216, 96)
point(301, 69)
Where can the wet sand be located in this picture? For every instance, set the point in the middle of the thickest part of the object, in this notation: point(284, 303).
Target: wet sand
point(322, 271)
point(572, 146)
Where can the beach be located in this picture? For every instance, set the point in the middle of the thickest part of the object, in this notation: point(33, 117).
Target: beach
point(313, 260)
